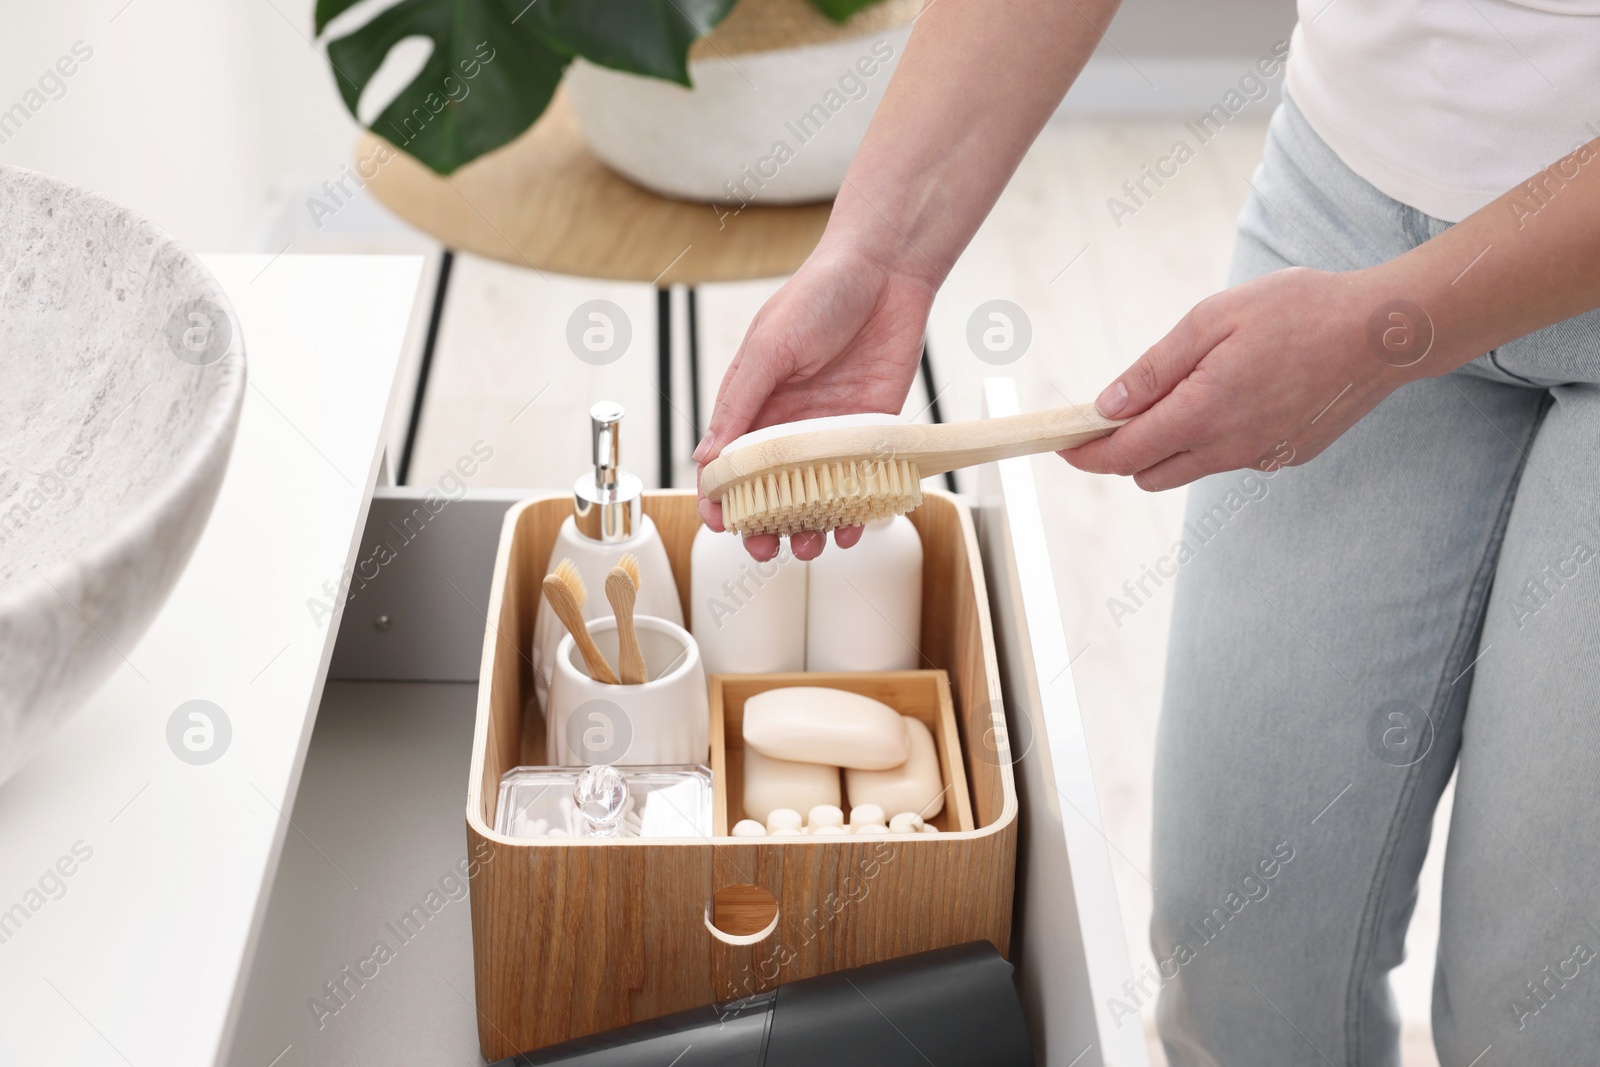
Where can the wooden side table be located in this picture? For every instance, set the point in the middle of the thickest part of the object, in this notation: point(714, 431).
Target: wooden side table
point(545, 202)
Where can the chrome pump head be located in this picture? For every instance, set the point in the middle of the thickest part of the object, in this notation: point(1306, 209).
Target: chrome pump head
point(606, 503)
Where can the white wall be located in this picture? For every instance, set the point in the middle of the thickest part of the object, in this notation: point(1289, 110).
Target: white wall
point(196, 113)
point(204, 115)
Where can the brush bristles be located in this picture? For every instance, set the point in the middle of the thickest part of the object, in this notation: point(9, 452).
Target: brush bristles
point(567, 572)
point(630, 565)
point(822, 497)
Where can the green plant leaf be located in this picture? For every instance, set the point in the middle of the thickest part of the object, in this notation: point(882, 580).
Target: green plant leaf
point(486, 81)
point(650, 37)
point(328, 10)
point(837, 10)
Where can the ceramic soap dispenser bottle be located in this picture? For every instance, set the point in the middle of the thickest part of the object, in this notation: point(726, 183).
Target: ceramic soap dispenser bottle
point(607, 521)
point(864, 604)
point(748, 617)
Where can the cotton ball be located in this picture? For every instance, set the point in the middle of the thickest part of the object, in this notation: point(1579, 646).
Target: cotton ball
point(784, 819)
point(864, 814)
point(825, 815)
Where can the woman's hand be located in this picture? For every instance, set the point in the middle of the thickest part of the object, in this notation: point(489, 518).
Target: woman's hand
point(844, 335)
point(1266, 374)
point(1271, 372)
point(969, 95)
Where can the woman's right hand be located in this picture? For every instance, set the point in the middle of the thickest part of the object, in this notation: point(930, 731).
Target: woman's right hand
point(844, 335)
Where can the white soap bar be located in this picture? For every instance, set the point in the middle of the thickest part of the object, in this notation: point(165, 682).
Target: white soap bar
point(915, 785)
point(813, 724)
point(775, 783)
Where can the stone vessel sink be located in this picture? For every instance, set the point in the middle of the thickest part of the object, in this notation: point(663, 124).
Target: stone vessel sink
point(121, 377)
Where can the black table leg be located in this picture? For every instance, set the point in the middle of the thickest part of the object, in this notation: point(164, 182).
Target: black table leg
point(664, 384)
point(933, 406)
point(435, 315)
point(694, 369)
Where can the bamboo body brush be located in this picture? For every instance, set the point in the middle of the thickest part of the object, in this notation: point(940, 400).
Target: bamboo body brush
point(846, 470)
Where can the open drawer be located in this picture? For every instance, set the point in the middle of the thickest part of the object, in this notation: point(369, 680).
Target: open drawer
point(366, 951)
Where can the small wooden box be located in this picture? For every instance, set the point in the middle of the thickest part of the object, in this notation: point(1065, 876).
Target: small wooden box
point(571, 937)
point(923, 695)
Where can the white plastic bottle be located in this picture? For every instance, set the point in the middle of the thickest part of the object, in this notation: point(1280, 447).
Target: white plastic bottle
point(747, 617)
point(864, 604)
point(607, 521)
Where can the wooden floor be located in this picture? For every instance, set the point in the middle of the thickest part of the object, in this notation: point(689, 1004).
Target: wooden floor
point(1096, 294)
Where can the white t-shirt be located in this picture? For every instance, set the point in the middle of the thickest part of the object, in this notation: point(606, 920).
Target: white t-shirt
point(1446, 104)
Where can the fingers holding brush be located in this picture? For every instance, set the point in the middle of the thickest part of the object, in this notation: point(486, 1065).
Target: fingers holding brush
point(1265, 375)
point(844, 335)
point(808, 544)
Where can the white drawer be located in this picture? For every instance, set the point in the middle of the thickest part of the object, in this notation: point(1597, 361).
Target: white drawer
point(378, 817)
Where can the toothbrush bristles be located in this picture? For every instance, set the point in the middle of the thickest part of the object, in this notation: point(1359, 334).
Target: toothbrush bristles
point(568, 574)
point(630, 565)
point(822, 496)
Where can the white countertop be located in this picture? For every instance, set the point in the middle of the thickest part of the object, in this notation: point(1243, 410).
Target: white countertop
point(136, 956)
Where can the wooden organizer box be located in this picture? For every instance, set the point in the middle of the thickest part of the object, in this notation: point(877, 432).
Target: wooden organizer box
point(572, 937)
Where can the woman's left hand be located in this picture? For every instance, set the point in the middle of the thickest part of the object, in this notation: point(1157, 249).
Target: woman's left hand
point(1264, 375)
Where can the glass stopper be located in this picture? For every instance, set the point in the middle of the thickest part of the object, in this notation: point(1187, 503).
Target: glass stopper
point(601, 795)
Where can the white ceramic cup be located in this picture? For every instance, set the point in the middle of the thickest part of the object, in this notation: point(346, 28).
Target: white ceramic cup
point(664, 720)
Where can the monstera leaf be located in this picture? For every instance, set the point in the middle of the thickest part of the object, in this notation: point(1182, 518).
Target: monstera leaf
point(486, 80)
point(841, 10)
point(649, 37)
point(495, 64)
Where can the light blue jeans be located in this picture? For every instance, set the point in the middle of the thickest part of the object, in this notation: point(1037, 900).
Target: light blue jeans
point(1422, 598)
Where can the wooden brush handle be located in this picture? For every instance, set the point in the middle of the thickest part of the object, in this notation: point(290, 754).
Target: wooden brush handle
point(950, 446)
point(630, 661)
point(570, 612)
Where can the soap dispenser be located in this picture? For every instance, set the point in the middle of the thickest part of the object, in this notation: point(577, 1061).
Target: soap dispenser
point(748, 617)
point(864, 604)
point(607, 522)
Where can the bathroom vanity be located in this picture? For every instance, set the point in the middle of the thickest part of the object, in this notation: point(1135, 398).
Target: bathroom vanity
point(303, 899)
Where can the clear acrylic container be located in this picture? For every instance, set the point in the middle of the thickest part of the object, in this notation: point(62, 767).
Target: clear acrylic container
point(605, 802)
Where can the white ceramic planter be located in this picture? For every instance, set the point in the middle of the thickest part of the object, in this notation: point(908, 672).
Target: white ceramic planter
point(773, 127)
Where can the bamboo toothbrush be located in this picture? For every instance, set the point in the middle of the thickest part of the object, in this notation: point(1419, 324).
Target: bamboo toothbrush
point(564, 589)
point(622, 585)
point(817, 474)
